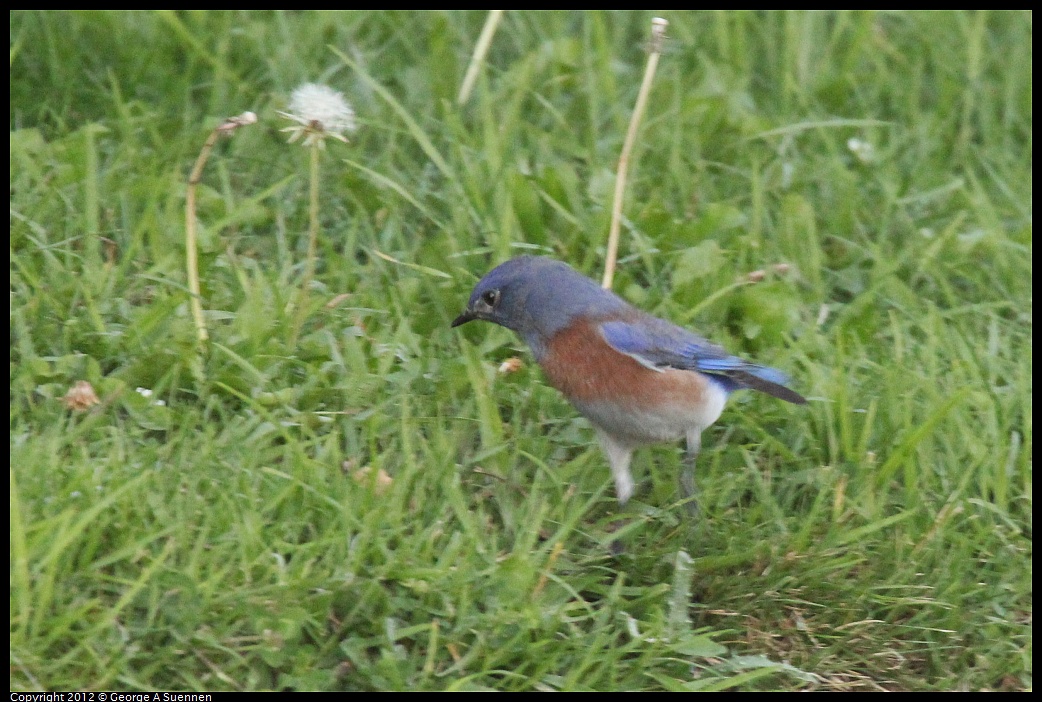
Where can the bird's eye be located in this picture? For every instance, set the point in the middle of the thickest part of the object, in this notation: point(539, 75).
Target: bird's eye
point(490, 297)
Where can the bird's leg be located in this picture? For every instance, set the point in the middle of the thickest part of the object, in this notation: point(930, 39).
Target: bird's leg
point(688, 490)
point(619, 456)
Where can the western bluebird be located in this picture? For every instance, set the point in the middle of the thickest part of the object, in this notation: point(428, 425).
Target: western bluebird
point(637, 378)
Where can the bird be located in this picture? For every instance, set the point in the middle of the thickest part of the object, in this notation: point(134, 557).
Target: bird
point(637, 378)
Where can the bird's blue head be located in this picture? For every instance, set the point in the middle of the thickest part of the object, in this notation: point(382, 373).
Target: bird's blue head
point(537, 297)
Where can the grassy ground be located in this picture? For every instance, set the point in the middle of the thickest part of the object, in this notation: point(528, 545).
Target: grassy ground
point(222, 533)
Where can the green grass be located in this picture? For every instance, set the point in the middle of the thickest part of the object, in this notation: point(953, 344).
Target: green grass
point(878, 538)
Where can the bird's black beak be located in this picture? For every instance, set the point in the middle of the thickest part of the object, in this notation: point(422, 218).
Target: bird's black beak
point(467, 316)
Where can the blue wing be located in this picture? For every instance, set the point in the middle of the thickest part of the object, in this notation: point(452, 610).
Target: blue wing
point(658, 344)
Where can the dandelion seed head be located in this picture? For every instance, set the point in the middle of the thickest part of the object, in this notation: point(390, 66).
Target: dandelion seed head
point(233, 123)
point(863, 150)
point(81, 396)
point(511, 365)
point(658, 33)
point(319, 112)
point(381, 482)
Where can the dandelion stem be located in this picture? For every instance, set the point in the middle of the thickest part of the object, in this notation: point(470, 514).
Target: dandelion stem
point(309, 265)
point(318, 112)
point(658, 34)
point(480, 49)
point(191, 247)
